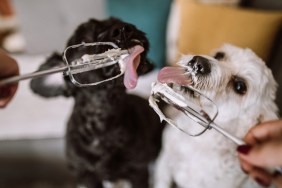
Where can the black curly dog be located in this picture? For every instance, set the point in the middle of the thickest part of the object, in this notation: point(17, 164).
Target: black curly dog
point(111, 135)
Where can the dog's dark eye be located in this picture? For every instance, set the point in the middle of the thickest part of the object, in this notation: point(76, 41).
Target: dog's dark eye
point(219, 55)
point(116, 32)
point(128, 29)
point(239, 86)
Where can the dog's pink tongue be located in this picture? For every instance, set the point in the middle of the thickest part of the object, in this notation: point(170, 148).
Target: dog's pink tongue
point(132, 62)
point(174, 75)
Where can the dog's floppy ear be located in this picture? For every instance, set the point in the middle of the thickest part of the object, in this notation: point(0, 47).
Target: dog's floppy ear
point(269, 112)
point(51, 85)
point(269, 108)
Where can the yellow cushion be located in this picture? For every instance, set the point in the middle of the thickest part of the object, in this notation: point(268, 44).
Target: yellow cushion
point(206, 27)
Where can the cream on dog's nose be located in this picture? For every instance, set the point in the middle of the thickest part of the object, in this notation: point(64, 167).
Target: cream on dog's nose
point(200, 65)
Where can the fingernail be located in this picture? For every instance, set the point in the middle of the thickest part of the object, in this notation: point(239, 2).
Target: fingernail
point(261, 182)
point(244, 149)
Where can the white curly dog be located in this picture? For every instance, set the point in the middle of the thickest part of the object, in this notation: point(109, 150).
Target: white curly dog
point(243, 89)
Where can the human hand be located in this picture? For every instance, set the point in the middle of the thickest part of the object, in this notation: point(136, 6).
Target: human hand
point(8, 67)
point(263, 151)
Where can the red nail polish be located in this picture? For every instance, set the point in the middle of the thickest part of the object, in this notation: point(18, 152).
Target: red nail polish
point(244, 149)
point(261, 182)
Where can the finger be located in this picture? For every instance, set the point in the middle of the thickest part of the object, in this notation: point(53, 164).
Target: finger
point(6, 94)
point(245, 166)
point(268, 154)
point(259, 175)
point(8, 66)
point(265, 131)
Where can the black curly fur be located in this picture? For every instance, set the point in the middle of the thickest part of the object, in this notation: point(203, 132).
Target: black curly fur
point(111, 135)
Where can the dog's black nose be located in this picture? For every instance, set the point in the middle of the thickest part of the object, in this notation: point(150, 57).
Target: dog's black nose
point(200, 65)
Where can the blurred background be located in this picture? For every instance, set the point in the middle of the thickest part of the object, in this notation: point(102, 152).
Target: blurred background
point(32, 128)
point(47, 24)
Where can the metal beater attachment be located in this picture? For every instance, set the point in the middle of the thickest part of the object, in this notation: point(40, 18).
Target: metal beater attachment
point(202, 110)
point(97, 55)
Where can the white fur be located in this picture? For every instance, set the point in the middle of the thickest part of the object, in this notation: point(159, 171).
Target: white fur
point(210, 160)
